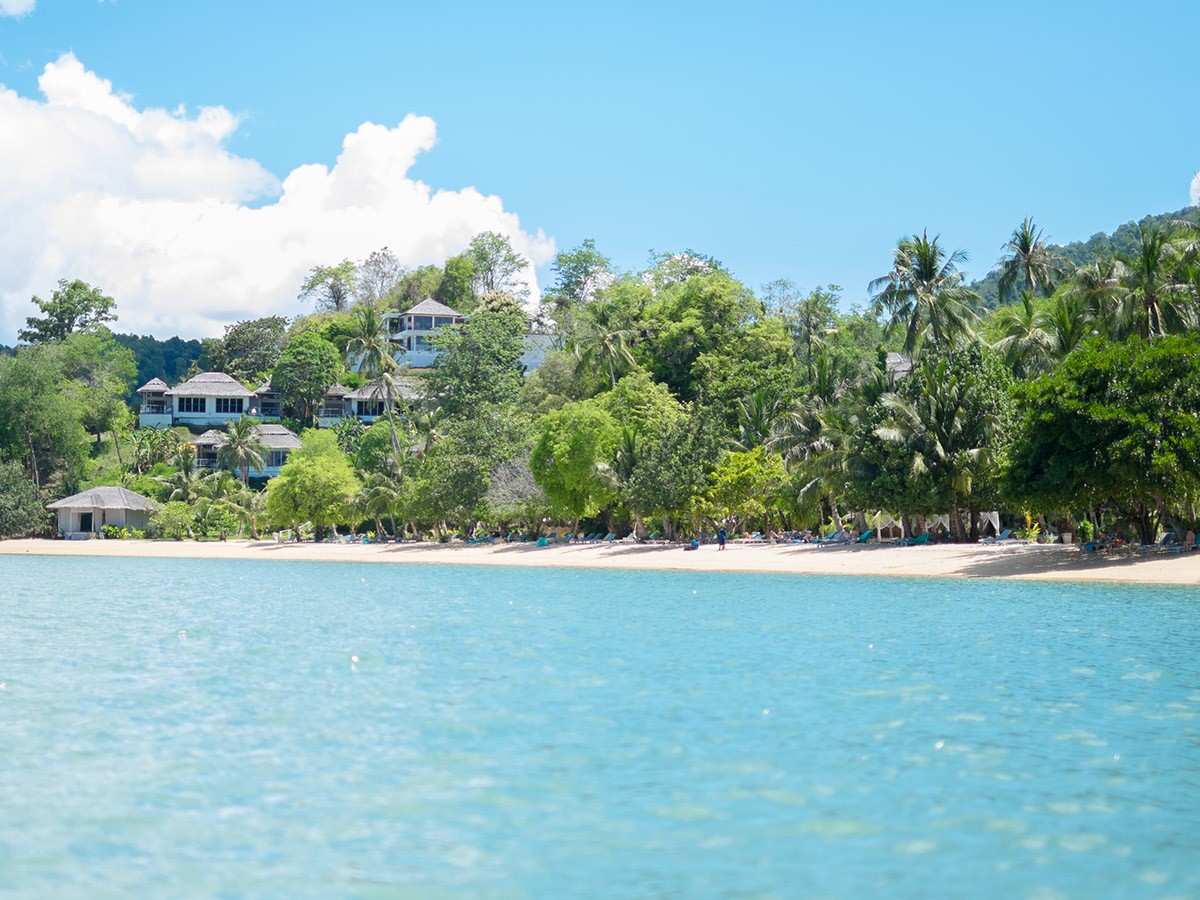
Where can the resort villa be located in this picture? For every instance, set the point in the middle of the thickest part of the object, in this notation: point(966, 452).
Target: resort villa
point(277, 441)
point(411, 330)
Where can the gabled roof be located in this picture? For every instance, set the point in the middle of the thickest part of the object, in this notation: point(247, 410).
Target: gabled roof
point(336, 390)
point(153, 386)
point(273, 437)
point(107, 497)
point(430, 307)
point(265, 388)
point(212, 384)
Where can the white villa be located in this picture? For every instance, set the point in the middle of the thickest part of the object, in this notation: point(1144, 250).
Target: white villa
point(279, 442)
point(210, 398)
point(410, 331)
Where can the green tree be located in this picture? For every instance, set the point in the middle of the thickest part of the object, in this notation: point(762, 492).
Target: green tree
point(330, 288)
point(570, 443)
point(249, 349)
point(378, 277)
point(173, 520)
point(497, 266)
point(924, 295)
point(1115, 425)
point(456, 288)
point(308, 366)
point(242, 449)
point(479, 361)
point(744, 487)
point(75, 306)
point(316, 485)
point(579, 273)
point(41, 422)
point(812, 321)
point(952, 417)
point(21, 509)
point(1029, 262)
point(415, 286)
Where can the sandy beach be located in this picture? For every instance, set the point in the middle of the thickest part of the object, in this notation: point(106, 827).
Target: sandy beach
point(1029, 561)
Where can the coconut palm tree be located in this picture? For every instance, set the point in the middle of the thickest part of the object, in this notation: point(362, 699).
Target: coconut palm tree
point(924, 294)
point(379, 496)
point(1066, 324)
point(935, 429)
point(242, 449)
point(1097, 285)
point(1025, 342)
point(368, 349)
point(1028, 261)
point(1147, 294)
point(601, 341)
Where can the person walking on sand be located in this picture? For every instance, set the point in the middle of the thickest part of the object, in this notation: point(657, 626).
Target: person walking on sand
point(721, 535)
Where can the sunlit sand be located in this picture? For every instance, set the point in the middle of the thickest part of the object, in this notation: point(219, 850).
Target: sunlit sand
point(953, 561)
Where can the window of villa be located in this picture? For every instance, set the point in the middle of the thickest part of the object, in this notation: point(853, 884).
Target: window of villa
point(229, 404)
point(278, 458)
point(422, 323)
point(370, 407)
point(192, 404)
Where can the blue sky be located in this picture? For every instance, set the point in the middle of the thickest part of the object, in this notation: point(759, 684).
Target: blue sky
point(788, 140)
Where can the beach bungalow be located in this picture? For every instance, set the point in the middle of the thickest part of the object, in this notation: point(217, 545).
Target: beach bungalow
point(277, 440)
point(85, 514)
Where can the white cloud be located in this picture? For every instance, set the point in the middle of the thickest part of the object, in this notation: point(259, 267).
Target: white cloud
point(1196, 190)
point(16, 7)
point(188, 237)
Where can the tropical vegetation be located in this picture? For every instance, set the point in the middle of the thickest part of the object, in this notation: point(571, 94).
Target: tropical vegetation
point(1062, 390)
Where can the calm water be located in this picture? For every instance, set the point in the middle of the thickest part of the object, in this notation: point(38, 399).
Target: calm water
point(201, 728)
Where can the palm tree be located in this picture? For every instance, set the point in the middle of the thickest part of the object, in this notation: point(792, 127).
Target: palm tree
point(924, 294)
point(1067, 323)
point(1025, 342)
point(1147, 295)
point(619, 475)
point(935, 429)
point(186, 480)
point(600, 341)
point(242, 449)
point(757, 415)
point(367, 348)
point(1097, 286)
point(1029, 261)
point(379, 496)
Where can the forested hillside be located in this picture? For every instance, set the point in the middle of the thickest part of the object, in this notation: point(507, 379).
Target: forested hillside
point(1124, 240)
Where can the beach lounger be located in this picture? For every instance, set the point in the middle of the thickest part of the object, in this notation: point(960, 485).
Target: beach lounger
point(1002, 536)
point(865, 536)
point(917, 541)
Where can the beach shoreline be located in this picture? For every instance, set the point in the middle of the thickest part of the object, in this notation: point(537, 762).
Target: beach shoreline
point(1007, 561)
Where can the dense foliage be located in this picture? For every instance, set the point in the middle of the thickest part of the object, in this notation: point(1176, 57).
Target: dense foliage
point(674, 399)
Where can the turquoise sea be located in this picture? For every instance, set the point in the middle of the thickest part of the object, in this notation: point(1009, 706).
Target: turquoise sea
point(235, 729)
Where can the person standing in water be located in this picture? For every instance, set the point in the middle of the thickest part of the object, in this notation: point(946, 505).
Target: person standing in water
point(721, 535)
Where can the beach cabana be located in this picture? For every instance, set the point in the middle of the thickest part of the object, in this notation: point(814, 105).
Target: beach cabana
point(84, 514)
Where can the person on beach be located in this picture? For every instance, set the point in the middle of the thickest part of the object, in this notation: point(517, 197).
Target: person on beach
point(721, 536)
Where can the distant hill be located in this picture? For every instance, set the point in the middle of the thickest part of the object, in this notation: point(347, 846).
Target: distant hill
point(1080, 253)
point(169, 360)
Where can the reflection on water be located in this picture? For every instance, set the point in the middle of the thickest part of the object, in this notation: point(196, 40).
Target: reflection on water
point(315, 730)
